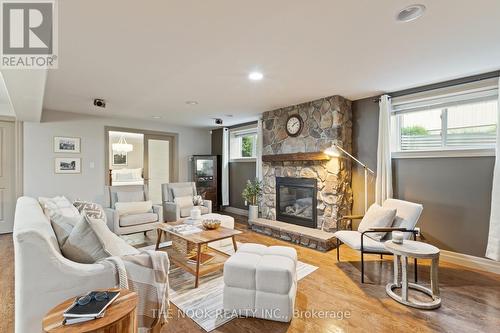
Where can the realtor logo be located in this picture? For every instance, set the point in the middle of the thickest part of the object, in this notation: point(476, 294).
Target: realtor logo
point(29, 34)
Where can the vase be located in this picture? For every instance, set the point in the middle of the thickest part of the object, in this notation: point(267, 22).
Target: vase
point(253, 212)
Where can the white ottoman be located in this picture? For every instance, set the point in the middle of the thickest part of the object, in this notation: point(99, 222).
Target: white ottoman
point(261, 282)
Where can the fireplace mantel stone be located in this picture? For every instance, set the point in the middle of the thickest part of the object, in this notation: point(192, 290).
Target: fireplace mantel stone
point(326, 120)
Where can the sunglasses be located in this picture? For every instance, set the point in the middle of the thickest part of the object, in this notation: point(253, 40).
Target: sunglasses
point(99, 297)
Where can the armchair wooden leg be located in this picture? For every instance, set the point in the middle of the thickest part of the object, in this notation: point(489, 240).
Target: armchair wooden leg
point(362, 267)
point(381, 256)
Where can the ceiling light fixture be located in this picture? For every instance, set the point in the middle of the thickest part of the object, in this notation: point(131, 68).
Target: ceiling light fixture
point(191, 102)
point(410, 13)
point(122, 146)
point(156, 117)
point(256, 76)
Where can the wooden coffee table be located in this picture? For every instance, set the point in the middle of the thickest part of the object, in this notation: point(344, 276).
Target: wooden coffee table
point(200, 241)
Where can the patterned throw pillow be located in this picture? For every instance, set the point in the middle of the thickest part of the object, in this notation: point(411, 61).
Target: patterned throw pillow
point(198, 200)
point(90, 209)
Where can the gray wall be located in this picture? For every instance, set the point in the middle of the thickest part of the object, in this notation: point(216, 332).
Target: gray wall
point(39, 176)
point(239, 173)
point(455, 192)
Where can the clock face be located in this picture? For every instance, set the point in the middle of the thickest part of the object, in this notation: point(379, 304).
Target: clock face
point(294, 125)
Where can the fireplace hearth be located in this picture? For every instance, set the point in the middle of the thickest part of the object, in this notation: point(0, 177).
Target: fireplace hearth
point(296, 201)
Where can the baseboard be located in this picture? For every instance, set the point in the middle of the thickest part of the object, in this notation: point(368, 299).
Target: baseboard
point(235, 210)
point(471, 261)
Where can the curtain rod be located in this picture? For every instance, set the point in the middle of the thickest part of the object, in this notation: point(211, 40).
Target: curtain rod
point(444, 84)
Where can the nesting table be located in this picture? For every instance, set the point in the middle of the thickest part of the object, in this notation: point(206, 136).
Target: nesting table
point(417, 250)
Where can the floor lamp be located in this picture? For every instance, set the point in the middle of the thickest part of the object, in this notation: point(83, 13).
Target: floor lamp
point(336, 151)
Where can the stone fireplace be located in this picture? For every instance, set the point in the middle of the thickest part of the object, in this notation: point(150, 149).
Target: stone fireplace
point(296, 201)
point(325, 121)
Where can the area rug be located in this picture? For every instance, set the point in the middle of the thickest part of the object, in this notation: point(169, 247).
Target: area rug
point(204, 304)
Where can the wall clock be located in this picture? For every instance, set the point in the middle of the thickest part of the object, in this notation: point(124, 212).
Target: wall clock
point(294, 125)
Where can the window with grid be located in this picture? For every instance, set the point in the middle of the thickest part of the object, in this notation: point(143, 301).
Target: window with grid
point(463, 121)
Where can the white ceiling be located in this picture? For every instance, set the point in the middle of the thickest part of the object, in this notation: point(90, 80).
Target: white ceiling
point(147, 58)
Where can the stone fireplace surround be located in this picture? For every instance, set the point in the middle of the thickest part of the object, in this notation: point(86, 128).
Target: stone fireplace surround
point(326, 120)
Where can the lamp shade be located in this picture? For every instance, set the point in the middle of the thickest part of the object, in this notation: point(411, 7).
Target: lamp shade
point(333, 151)
point(122, 146)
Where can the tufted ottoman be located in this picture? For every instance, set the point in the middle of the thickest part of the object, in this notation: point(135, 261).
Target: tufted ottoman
point(261, 282)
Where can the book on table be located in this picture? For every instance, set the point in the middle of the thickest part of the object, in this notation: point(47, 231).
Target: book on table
point(94, 309)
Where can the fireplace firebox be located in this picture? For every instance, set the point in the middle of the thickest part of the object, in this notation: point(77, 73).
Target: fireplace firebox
point(296, 201)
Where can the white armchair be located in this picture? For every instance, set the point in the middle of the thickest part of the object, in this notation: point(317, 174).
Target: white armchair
point(131, 223)
point(173, 208)
point(407, 215)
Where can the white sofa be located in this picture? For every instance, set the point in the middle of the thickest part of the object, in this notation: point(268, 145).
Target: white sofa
point(43, 277)
point(261, 282)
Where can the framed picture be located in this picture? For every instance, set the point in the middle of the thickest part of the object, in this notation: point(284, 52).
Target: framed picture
point(67, 165)
point(119, 158)
point(64, 144)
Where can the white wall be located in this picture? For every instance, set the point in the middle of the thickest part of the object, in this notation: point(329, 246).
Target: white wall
point(39, 176)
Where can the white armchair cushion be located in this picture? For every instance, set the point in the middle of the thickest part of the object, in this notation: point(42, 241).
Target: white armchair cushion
point(184, 202)
point(353, 240)
point(377, 217)
point(130, 196)
point(137, 219)
point(183, 191)
point(83, 245)
point(138, 207)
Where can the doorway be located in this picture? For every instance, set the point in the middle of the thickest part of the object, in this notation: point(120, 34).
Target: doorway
point(155, 160)
point(7, 176)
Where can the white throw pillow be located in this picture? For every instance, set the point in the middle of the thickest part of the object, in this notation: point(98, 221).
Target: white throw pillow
point(62, 214)
point(184, 202)
point(82, 245)
point(138, 207)
point(377, 217)
point(111, 243)
point(135, 196)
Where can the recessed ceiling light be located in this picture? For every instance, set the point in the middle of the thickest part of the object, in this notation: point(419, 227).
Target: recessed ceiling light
point(256, 76)
point(229, 115)
point(156, 117)
point(191, 102)
point(410, 13)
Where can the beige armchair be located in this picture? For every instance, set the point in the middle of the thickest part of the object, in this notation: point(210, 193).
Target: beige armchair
point(176, 202)
point(130, 223)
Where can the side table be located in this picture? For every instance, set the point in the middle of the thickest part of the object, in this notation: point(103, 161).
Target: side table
point(120, 316)
point(417, 250)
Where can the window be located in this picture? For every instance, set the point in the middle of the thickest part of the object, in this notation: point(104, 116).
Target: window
point(441, 124)
point(243, 144)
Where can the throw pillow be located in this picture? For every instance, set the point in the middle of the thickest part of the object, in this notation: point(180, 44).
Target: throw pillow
point(377, 217)
point(82, 245)
point(184, 202)
point(130, 196)
point(127, 208)
point(111, 243)
point(91, 209)
point(198, 200)
point(63, 216)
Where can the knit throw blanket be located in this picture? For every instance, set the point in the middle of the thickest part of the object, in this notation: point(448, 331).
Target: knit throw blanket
point(146, 273)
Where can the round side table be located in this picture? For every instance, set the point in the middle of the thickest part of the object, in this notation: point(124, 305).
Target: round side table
point(120, 316)
point(417, 250)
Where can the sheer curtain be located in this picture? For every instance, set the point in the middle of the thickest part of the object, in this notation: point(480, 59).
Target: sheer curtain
point(258, 159)
point(225, 167)
point(383, 185)
point(493, 248)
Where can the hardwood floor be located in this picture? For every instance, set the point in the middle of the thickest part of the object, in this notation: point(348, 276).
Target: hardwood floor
point(470, 299)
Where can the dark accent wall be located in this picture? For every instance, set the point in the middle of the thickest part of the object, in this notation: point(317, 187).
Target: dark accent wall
point(239, 172)
point(455, 192)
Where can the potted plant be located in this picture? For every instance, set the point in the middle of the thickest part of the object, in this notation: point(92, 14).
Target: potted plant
point(252, 194)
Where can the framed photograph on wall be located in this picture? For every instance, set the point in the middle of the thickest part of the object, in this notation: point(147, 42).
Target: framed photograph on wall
point(119, 158)
point(68, 165)
point(63, 144)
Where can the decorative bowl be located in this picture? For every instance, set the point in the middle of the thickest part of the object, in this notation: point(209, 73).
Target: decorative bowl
point(211, 224)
